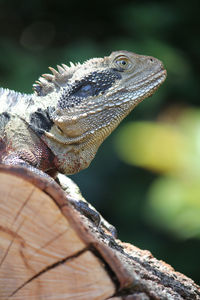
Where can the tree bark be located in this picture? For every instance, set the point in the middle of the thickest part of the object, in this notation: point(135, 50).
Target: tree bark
point(48, 250)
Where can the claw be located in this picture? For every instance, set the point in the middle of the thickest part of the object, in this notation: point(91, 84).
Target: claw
point(93, 215)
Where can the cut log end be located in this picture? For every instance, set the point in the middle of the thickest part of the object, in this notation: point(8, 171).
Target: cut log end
point(48, 250)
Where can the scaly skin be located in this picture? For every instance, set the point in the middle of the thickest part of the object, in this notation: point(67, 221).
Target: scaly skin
point(60, 127)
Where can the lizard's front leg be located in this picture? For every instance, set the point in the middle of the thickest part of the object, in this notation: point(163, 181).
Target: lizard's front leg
point(76, 199)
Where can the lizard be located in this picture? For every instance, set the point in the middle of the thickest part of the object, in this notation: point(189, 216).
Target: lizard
point(60, 126)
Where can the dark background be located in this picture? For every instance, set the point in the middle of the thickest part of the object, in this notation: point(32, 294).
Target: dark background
point(36, 34)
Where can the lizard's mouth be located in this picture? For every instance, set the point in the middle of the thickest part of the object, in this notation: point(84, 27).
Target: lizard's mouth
point(150, 82)
point(141, 89)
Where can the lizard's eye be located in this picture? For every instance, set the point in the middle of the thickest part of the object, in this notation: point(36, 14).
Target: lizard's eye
point(122, 63)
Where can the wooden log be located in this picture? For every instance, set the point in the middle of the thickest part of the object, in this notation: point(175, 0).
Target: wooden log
point(48, 250)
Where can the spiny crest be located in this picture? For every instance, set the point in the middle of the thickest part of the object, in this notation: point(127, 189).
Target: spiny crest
point(48, 82)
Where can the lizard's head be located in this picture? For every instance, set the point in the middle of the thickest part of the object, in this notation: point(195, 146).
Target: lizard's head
point(93, 97)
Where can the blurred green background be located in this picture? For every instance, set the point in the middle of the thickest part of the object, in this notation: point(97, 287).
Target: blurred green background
point(146, 177)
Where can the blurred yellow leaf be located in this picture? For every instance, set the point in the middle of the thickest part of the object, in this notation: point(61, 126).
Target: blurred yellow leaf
point(155, 146)
point(172, 149)
point(175, 205)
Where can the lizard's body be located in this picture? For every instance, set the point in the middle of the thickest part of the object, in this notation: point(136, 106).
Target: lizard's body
point(60, 127)
point(20, 144)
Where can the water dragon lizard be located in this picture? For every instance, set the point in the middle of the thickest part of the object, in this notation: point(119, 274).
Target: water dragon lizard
point(60, 126)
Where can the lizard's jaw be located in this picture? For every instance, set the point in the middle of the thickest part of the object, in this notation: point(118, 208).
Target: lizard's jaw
point(149, 83)
point(143, 88)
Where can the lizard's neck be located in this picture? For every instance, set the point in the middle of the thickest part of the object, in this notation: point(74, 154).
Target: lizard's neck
point(9, 99)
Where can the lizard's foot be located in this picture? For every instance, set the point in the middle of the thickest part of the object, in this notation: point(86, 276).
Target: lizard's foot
point(91, 213)
point(76, 199)
point(84, 208)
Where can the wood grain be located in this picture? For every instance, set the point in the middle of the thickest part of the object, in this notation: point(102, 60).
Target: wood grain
point(50, 251)
point(40, 253)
